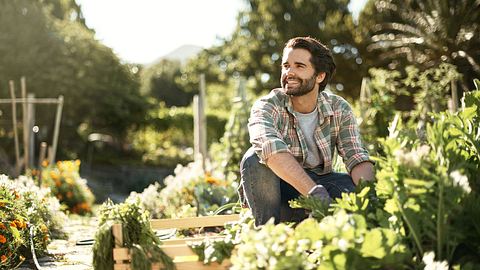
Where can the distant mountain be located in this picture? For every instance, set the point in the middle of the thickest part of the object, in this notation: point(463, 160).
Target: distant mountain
point(182, 54)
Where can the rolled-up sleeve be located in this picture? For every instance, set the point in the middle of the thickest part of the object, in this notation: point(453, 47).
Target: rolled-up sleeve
point(349, 143)
point(264, 136)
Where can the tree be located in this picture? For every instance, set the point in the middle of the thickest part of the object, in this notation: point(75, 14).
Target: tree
point(162, 81)
point(425, 33)
point(60, 56)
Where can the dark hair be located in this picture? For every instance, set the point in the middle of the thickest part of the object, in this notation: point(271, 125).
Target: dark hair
point(322, 59)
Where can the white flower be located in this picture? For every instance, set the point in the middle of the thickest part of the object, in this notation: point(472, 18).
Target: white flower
point(342, 244)
point(461, 181)
point(430, 264)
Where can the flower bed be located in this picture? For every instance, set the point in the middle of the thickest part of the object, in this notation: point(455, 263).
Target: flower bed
point(23, 208)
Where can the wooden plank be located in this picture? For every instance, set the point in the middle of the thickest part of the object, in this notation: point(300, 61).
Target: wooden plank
point(121, 254)
point(189, 240)
point(200, 266)
point(182, 223)
point(121, 266)
point(178, 250)
point(117, 235)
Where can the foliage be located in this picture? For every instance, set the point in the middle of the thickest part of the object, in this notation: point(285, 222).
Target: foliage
point(66, 184)
point(137, 235)
point(160, 81)
point(426, 186)
point(189, 192)
point(425, 33)
point(228, 152)
point(60, 56)
point(25, 207)
point(411, 94)
point(166, 139)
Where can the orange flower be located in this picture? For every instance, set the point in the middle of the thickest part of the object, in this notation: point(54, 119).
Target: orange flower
point(59, 197)
point(58, 183)
point(13, 224)
point(17, 196)
point(20, 224)
point(2, 226)
point(69, 194)
point(54, 175)
point(44, 163)
point(2, 204)
point(3, 240)
point(3, 258)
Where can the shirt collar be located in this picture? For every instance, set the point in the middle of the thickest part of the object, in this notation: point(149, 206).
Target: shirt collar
point(323, 104)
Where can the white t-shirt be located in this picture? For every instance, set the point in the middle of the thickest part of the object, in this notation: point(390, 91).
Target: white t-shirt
point(308, 122)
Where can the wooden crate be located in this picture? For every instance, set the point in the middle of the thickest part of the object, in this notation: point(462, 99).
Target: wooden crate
point(178, 249)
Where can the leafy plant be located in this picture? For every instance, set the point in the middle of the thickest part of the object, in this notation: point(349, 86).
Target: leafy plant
point(137, 236)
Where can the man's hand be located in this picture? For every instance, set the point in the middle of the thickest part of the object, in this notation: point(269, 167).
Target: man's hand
point(362, 171)
point(320, 192)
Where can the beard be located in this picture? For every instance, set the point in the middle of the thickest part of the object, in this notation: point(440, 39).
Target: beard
point(305, 86)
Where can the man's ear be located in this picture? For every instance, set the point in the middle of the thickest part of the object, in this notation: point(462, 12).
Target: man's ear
point(320, 77)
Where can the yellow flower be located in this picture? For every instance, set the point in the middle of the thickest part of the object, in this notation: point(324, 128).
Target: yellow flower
point(69, 181)
point(43, 228)
point(13, 224)
point(44, 163)
point(3, 240)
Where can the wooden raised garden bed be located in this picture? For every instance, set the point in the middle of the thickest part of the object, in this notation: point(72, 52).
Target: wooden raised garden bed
point(178, 249)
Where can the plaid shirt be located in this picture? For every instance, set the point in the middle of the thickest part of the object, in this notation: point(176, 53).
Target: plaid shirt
point(273, 129)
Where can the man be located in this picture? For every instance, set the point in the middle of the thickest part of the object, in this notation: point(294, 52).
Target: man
point(294, 131)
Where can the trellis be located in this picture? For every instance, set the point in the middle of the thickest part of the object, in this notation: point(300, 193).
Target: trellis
point(28, 102)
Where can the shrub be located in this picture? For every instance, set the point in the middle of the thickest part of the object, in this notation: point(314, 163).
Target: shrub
point(189, 192)
point(66, 184)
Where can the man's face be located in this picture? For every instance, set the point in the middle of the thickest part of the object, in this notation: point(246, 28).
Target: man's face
point(298, 74)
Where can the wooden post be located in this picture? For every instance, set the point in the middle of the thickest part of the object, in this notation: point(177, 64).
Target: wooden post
point(200, 124)
point(31, 122)
point(42, 153)
point(26, 132)
point(56, 131)
point(15, 134)
point(454, 96)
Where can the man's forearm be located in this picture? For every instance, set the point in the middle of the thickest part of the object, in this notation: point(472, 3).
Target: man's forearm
point(285, 166)
point(363, 171)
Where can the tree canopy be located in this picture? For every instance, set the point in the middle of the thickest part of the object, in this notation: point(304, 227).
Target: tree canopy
point(48, 42)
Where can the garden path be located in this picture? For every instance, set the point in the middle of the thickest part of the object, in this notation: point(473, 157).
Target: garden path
point(66, 254)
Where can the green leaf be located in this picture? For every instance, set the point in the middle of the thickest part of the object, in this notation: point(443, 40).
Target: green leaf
point(308, 229)
point(372, 245)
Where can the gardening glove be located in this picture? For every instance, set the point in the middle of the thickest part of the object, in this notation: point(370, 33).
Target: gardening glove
point(321, 193)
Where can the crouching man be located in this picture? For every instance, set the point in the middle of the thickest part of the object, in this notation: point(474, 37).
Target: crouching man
point(295, 131)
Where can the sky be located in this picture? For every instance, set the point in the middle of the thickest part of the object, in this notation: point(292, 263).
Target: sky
point(140, 31)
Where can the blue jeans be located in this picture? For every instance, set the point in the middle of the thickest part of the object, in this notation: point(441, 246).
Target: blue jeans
point(267, 195)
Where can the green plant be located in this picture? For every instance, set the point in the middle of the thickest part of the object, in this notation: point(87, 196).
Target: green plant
point(137, 236)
